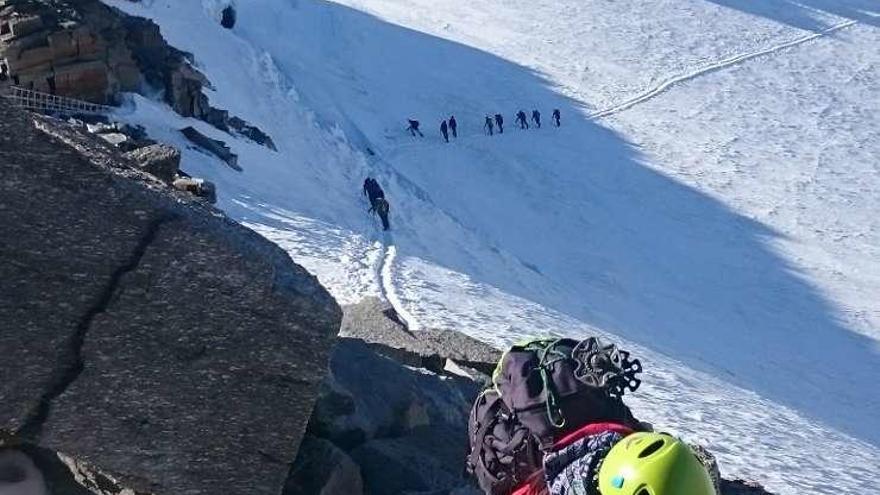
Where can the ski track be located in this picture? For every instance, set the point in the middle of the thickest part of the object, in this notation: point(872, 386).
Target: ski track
point(720, 65)
point(388, 289)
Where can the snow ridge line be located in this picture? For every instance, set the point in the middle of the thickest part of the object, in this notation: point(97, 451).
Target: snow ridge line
point(386, 286)
point(722, 64)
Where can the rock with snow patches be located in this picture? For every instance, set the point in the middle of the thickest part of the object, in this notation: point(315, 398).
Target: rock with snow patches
point(376, 323)
point(161, 160)
point(142, 331)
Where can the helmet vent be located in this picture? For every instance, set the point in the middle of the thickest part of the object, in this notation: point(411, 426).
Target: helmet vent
point(643, 491)
point(650, 449)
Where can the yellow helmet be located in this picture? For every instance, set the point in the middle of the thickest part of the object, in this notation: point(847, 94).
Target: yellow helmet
point(653, 464)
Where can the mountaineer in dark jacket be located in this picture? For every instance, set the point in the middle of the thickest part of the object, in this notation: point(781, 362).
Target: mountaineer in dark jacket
point(499, 121)
point(414, 128)
point(521, 120)
point(453, 126)
point(444, 129)
point(536, 118)
point(373, 190)
point(488, 125)
point(556, 116)
point(381, 207)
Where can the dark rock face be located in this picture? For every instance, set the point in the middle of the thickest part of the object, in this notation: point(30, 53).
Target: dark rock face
point(161, 160)
point(323, 469)
point(368, 396)
point(148, 335)
point(212, 146)
point(403, 424)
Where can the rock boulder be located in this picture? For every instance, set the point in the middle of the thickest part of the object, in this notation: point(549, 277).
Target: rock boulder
point(161, 160)
point(142, 331)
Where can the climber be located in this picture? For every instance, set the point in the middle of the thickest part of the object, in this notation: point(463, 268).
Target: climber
point(570, 432)
point(444, 129)
point(556, 116)
point(536, 118)
point(453, 126)
point(373, 190)
point(521, 120)
point(488, 125)
point(414, 128)
point(499, 121)
point(620, 461)
point(381, 208)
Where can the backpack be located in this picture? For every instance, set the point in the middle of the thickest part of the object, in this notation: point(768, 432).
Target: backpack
point(554, 386)
point(503, 453)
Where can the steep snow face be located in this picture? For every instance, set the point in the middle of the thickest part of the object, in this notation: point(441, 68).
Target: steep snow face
point(720, 218)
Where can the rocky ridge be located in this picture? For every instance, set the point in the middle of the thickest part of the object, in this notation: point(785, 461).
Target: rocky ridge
point(153, 342)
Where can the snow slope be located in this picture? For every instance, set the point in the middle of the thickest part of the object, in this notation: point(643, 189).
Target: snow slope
point(718, 214)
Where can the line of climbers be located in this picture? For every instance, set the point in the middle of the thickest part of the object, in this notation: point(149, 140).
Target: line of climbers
point(553, 422)
point(490, 124)
point(378, 204)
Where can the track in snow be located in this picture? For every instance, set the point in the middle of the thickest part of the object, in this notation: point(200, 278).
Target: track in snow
point(386, 284)
point(722, 64)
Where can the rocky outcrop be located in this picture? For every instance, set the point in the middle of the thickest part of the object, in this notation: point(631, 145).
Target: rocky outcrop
point(212, 146)
point(161, 160)
point(377, 324)
point(143, 332)
point(87, 50)
point(390, 406)
point(55, 49)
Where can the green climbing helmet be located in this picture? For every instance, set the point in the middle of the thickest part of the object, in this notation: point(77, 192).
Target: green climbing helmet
point(653, 464)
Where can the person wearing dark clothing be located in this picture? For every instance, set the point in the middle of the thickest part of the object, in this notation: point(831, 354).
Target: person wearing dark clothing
point(444, 129)
point(381, 207)
point(556, 116)
point(368, 188)
point(536, 117)
point(414, 128)
point(453, 126)
point(499, 121)
point(521, 120)
point(488, 125)
point(373, 190)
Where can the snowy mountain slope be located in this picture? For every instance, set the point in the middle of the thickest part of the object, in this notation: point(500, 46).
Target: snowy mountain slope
point(655, 225)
